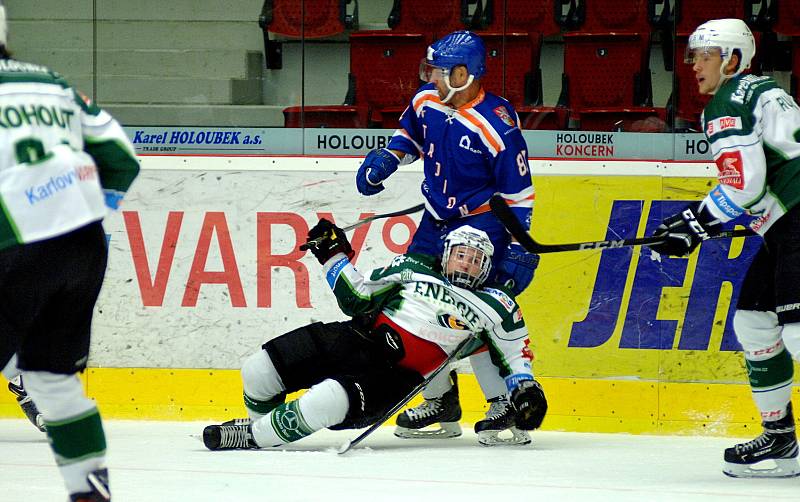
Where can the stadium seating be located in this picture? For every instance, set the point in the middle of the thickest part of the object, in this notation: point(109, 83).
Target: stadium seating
point(385, 70)
point(519, 16)
point(788, 18)
point(607, 80)
point(604, 16)
point(690, 14)
point(307, 18)
point(431, 18)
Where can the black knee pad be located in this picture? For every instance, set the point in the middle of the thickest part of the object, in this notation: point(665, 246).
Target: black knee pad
point(372, 394)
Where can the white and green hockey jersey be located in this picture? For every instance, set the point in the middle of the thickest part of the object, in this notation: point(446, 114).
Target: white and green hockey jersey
point(424, 303)
point(753, 127)
point(59, 153)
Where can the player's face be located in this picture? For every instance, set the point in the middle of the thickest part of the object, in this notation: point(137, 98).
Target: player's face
point(464, 260)
point(706, 63)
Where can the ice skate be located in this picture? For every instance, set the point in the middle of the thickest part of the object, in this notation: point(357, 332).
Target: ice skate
point(26, 403)
point(444, 410)
point(500, 418)
point(773, 454)
point(98, 480)
point(229, 436)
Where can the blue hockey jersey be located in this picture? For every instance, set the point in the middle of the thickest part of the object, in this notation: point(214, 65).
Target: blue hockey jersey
point(469, 154)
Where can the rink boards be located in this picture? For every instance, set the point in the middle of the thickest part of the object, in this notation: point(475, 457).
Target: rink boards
point(204, 268)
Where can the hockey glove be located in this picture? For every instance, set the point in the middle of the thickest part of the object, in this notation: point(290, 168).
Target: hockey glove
point(113, 198)
point(517, 268)
point(684, 231)
point(377, 166)
point(325, 240)
point(530, 405)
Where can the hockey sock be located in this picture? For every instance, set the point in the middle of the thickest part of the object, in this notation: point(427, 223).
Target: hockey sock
point(263, 387)
point(323, 405)
point(771, 382)
point(438, 386)
point(73, 426)
point(488, 376)
point(257, 408)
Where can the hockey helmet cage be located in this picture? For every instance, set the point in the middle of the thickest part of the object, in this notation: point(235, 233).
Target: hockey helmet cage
point(474, 248)
point(726, 35)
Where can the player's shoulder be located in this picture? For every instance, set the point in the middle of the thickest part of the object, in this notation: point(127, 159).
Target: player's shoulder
point(499, 297)
point(741, 93)
point(498, 111)
point(15, 71)
point(405, 265)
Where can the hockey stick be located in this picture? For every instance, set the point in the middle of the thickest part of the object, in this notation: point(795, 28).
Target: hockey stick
point(410, 210)
point(456, 354)
point(506, 216)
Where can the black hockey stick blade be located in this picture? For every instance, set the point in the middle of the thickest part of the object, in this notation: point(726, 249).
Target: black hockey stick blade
point(456, 354)
point(506, 216)
point(410, 210)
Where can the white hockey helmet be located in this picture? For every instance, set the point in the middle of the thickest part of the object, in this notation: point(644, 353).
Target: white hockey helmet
point(726, 35)
point(3, 25)
point(467, 257)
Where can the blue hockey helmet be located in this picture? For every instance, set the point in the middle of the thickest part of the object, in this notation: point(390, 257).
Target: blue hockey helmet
point(459, 48)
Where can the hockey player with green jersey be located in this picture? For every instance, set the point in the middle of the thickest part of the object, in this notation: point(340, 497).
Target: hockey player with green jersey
point(407, 318)
point(752, 126)
point(63, 163)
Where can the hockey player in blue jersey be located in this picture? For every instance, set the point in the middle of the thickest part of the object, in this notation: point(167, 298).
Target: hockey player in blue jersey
point(472, 147)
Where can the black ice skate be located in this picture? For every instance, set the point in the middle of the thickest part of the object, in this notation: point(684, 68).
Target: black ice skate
point(98, 480)
point(499, 418)
point(230, 435)
point(773, 454)
point(26, 403)
point(444, 410)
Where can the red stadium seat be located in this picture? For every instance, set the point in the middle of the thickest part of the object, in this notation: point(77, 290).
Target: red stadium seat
point(435, 18)
point(607, 79)
point(385, 68)
point(512, 64)
point(334, 116)
point(603, 16)
point(520, 16)
point(690, 14)
point(307, 18)
point(788, 18)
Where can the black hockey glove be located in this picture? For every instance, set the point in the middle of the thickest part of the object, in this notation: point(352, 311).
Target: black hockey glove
point(684, 231)
point(325, 240)
point(530, 405)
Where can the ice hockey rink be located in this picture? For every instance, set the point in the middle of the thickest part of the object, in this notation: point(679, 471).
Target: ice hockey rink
point(165, 461)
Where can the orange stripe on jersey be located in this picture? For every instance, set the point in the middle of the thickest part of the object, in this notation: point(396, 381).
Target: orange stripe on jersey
point(484, 130)
point(483, 208)
point(420, 99)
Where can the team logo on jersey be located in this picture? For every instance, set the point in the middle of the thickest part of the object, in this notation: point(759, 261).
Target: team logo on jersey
point(527, 353)
point(501, 297)
point(722, 124)
point(502, 112)
point(731, 169)
point(466, 144)
point(450, 322)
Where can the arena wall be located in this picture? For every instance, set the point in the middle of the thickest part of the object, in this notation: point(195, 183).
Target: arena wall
point(204, 268)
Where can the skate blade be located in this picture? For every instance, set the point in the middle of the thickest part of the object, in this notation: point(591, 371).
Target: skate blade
point(492, 438)
point(446, 430)
point(782, 468)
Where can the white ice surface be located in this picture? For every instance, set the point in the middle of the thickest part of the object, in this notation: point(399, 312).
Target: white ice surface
point(163, 462)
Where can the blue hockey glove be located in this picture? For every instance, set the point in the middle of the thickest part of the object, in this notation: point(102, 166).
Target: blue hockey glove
point(377, 166)
point(684, 231)
point(517, 268)
point(113, 198)
point(530, 405)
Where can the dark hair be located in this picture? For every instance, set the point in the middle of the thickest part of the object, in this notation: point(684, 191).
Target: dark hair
point(5, 53)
